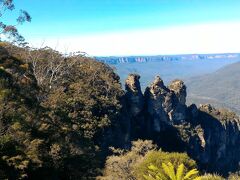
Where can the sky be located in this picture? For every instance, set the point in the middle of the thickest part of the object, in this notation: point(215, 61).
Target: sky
point(133, 27)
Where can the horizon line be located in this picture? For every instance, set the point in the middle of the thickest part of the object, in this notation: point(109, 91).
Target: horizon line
point(184, 54)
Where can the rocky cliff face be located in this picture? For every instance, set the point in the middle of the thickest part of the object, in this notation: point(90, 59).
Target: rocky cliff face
point(134, 96)
point(134, 105)
point(162, 105)
point(216, 142)
point(210, 136)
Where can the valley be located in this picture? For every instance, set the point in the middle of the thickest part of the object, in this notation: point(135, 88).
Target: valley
point(220, 88)
point(209, 80)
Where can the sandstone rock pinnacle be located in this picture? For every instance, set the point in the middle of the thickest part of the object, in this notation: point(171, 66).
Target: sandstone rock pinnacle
point(134, 96)
point(180, 90)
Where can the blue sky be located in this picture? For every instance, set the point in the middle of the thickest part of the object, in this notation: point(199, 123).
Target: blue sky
point(55, 21)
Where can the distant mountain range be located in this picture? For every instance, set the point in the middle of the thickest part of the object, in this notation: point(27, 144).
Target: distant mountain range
point(220, 88)
point(133, 59)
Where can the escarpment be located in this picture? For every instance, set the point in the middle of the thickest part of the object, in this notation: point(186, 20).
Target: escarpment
point(86, 112)
point(218, 136)
point(159, 105)
point(209, 135)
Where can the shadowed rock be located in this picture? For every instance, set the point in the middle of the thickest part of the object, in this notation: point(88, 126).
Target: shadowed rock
point(180, 90)
point(159, 103)
point(209, 135)
point(178, 113)
point(218, 137)
point(134, 96)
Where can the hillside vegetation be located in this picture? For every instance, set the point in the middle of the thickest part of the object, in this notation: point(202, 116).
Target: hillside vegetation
point(67, 117)
point(220, 88)
point(54, 113)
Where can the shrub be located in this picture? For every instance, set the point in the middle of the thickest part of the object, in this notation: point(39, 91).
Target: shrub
point(121, 166)
point(169, 172)
point(157, 158)
point(234, 176)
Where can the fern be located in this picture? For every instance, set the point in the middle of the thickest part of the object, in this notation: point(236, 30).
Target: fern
point(149, 177)
point(161, 176)
point(152, 167)
point(154, 174)
point(180, 171)
point(167, 172)
point(190, 174)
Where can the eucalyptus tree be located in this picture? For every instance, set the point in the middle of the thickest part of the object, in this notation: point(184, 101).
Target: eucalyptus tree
point(9, 31)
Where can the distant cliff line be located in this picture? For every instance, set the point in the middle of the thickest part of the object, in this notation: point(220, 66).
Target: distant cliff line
point(140, 59)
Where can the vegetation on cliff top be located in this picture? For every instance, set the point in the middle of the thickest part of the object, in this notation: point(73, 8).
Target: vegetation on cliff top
point(60, 114)
point(54, 128)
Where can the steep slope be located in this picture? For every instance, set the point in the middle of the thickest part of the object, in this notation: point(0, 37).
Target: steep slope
point(21, 136)
point(210, 136)
point(220, 88)
point(64, 131)
point(58, 133)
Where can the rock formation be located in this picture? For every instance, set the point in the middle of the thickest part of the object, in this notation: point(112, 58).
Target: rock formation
point(159, 102)
point(218, 137)
point(134, 105)
point(178, 113)
point(210, 136)
point(134, 96)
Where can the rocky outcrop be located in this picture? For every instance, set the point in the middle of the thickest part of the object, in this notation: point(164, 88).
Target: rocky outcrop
point(134, 96)
point(159, 102)
point(180, 90)
point(134, 101)
point(178, 113)
point(210, 136)
point(160, 105)
point(218, 137)
point(165, 105)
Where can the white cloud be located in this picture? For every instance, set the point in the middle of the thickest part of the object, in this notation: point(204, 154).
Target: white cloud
point(202, 38)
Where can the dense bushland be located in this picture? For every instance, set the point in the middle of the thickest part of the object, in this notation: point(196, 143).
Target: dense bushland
point(54, 114)
point(145, 161)
point(61, 114)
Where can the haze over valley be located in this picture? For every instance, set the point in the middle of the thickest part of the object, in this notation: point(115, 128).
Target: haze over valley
point(120, 90)
point(210, 78)
point(168, 67)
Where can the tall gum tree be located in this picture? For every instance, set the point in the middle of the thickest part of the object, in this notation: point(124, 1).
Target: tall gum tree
point(8, 31)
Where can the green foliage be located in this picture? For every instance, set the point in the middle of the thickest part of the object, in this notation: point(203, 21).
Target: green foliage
point(90, 98)
point(169, 172)
point(157, 158)
point(55, 130)
point(59, 115)
point(121, 165)
point(143, 160)
point(10, 30)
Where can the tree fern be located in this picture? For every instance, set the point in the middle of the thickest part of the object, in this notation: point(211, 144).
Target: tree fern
point(152, 167)
point(154, 174)
point(180, 172)
point(167, 172)
point(190, 174)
